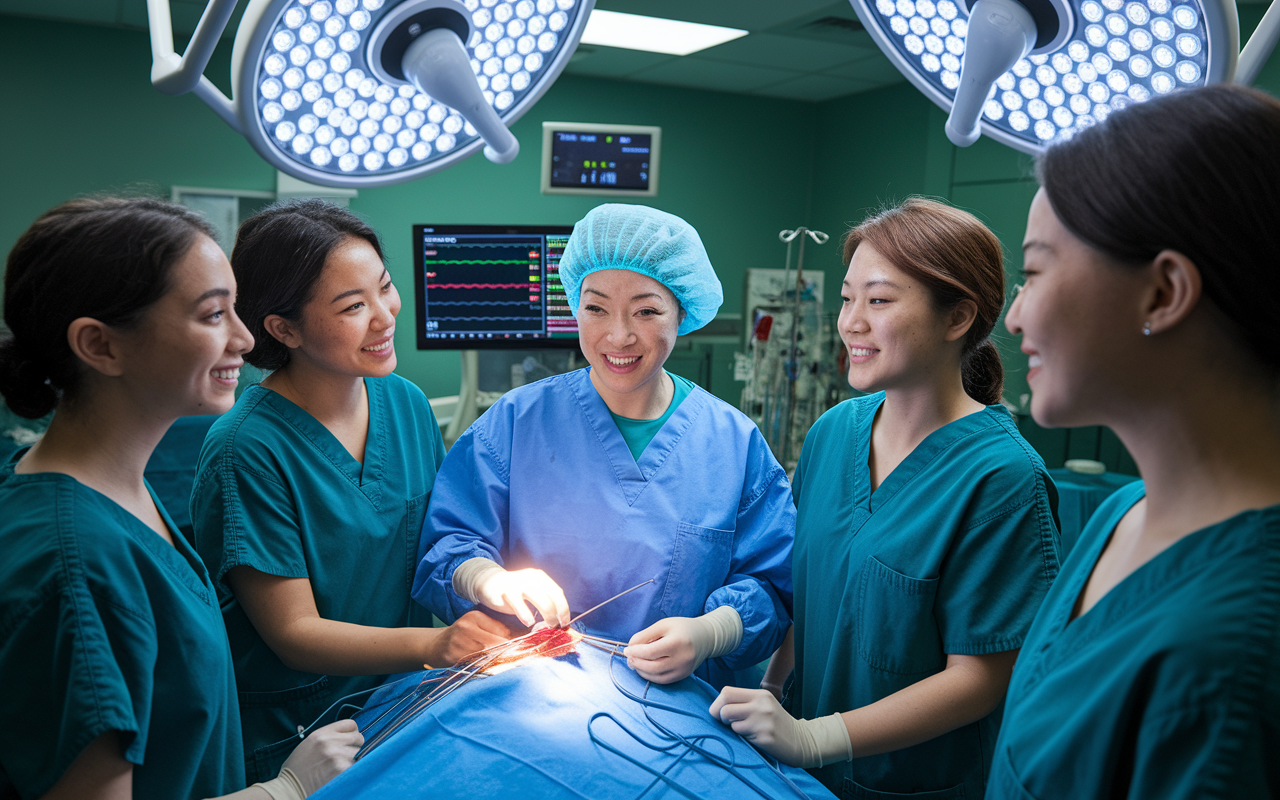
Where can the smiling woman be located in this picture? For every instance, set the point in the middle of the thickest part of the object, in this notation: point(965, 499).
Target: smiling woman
point(925, 536)
point(614, 475)
point(310, 492)
point(122, 320)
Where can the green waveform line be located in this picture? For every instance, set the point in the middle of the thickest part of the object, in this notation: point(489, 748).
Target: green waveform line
point(494, 261)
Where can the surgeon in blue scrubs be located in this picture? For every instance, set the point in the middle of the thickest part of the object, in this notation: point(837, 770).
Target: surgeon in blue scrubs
point(572, 489)
point(310, 492)
point(113, 655)
point(1150, 306)
point(926, 538)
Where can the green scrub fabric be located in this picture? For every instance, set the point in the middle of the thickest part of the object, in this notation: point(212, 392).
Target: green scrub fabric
point(951, 554)
point(276, 491)
point(1167, 687)
point(637, 433)
point(105, 626)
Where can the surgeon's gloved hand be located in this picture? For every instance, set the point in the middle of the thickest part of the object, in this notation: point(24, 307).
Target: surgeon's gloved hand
point(807, 743)
point(672, 648)
point(316, 761)
point(512, 592)
point(474, 631)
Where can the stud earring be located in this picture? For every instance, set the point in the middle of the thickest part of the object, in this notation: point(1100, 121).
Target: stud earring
point(1146, 329)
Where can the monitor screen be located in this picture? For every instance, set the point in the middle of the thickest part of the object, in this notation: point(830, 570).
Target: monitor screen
point(491, 287)
point(586, 158)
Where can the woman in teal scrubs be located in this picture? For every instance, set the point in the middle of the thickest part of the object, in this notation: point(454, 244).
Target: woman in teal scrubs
point(112, 651)
point(925, 537)
point(1150, 306)
point(310, 493)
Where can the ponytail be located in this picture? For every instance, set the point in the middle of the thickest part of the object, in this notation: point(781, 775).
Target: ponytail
point(983, 374)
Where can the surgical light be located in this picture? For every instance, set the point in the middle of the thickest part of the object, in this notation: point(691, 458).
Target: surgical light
point(1030, 72)
point(655, 34)
point(373, 92)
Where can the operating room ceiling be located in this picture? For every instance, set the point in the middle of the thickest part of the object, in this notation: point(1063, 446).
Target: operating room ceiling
point(808, 50)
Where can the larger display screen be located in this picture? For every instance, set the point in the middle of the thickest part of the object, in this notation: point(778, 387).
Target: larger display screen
point(492, 287)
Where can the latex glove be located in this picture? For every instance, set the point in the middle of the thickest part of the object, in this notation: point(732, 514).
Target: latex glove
point(316, 761)
point(474, 631)
point(672, 648)
point(512, 592)
point(756, 715)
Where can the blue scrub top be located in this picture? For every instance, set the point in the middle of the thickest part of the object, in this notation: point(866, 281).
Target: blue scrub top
point(951, 554)
point(545, 479)
point(104, 626)
point(1167, 687)
point(276, 491)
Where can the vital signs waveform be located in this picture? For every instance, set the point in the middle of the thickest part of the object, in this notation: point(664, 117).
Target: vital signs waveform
point(521, 261)
point(480, 285)
point(480, 302)
point(475, 319)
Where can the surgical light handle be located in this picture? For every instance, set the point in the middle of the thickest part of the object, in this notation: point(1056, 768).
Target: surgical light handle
point(1000, 33)
point(438, 65)
point(1259, 48)
point(174, 74)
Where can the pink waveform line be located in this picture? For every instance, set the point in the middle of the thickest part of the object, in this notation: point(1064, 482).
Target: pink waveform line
point(477, 285)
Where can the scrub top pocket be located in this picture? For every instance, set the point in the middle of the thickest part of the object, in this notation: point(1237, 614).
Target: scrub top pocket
point(897, 632)
point(285, 709)
point(699, 565)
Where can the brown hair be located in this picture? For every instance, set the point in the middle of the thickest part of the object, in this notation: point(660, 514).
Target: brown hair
point(957, 258)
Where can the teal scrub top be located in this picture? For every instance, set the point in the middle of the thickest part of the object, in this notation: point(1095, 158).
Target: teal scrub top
point(1167, 687)
point(951, 554)
point(105, 626)
point(276, 491)
point(637, 433)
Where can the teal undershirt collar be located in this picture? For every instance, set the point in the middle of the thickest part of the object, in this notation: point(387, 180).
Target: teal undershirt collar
point(637, 433)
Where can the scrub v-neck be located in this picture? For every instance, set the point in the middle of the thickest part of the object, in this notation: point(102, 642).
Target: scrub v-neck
point(363, 475)
point(632, 473)
point(868, 501)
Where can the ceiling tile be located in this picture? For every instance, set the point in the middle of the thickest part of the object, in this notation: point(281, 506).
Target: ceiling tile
point(877, 69)
point(785, 52)
point(612, 62)
point(718, 76)
point(815, 88)
point(752, 16)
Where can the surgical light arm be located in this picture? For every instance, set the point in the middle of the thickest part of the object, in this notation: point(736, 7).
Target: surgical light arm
point(173, 74)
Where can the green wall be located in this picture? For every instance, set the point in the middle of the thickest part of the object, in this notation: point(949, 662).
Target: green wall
point(82, 117)
point(735, 166)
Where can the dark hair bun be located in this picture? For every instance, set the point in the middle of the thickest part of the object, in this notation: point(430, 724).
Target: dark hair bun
point(25, 388)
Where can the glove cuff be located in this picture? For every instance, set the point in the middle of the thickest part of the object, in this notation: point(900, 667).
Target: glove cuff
point(725, 626)
point(470, 574)
point(824, 741)
point(285, 786)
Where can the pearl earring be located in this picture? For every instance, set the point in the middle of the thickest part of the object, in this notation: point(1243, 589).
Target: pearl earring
point(1146, 329)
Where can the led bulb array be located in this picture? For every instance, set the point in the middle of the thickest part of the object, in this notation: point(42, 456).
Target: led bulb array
point(320, 105)
point(1122, 51)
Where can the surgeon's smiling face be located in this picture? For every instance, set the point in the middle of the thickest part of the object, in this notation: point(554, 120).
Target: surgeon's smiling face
point(627, 326)
point(1079, 319)
point(348, 324)
point(891, 329)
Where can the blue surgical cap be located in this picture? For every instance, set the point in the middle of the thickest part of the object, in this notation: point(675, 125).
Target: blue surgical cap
point(650, 242)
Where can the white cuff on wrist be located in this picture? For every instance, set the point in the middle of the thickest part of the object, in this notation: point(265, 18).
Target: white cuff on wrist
point(285, 786)
point(470, 573)
point(725, 625)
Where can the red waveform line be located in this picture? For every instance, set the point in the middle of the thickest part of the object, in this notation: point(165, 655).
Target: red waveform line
point(477, 286)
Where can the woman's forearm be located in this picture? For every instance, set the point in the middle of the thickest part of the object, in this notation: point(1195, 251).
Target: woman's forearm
point(781, 664)
point(970, 688)
point(329, 647)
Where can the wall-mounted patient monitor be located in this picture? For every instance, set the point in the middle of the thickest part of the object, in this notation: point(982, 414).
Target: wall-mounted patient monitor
point(491, 287)
point(591, 159)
